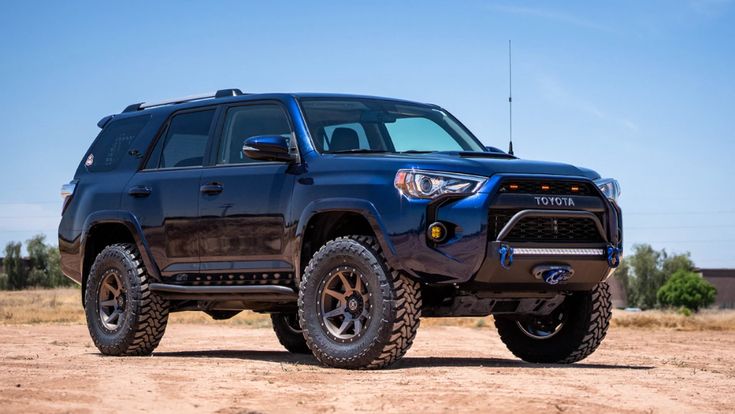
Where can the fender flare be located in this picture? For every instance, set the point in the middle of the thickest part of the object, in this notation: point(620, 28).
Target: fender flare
point(362, 207)
point(131, 222)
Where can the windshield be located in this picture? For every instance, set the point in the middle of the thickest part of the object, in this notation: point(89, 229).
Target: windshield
point(344, 125)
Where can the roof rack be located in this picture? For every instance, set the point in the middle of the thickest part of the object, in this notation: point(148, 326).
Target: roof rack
point(222, 93)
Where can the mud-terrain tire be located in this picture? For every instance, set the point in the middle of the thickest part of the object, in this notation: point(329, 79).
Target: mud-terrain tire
point(585, 319)
point(387, 305)
point(118, 283)
point(289, 333)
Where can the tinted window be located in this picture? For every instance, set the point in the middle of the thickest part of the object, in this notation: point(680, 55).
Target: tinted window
point(185, 141)
point(344, 135)
point(114, 141)
point(244, 122)
point(389, 126)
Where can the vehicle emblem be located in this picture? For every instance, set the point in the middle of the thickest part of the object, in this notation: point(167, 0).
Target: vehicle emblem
point(554, 201)
point(90, 161)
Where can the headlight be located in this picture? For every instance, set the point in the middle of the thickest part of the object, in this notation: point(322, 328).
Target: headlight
point(609, 187)
point(427, 184)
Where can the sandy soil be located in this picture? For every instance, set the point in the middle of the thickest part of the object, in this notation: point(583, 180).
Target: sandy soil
point(230, 369)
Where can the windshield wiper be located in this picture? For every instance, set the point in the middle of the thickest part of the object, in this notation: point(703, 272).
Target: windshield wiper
point(416, 152)
point(357, 151)
point(478, 154)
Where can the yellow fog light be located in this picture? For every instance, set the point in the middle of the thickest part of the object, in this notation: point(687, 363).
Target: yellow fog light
point(437, 232)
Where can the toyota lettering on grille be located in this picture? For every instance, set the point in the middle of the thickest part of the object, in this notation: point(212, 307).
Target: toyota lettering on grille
point(554, 201)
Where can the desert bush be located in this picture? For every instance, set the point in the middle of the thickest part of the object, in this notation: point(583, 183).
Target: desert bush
point(687, 289)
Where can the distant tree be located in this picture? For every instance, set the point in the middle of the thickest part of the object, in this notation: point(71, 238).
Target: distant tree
point(44, 269)
point(687, 289)
point(55, 275)
point(645, 271)
point(673, 263)
point(38, 253)
point(14, 267)
point(647, 278)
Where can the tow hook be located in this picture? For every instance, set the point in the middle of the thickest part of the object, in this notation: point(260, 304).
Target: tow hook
point(553, 274)
point(613, 256)
point(506, 256)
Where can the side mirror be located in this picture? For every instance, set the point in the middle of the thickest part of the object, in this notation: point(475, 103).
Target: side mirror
point(493, 149)
point(268, 148)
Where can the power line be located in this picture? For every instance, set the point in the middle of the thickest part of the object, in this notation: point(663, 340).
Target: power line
point(714, 226)
point(28, 217)
point(675, 213)
point(690, 241)
point(5, 203)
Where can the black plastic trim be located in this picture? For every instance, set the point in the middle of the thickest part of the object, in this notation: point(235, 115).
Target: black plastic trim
point(505, 231)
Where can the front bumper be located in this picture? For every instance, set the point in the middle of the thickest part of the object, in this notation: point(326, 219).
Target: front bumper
point(589, 263)
point(472, 255)
point(513, 265)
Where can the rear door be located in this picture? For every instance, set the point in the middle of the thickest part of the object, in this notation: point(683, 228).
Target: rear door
point(164, 196)
point(243, 203)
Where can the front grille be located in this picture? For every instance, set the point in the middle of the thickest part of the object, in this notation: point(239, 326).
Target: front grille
point(551, 187)
point(545, 229)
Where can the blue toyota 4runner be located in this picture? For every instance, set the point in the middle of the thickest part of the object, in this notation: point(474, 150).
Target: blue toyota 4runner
point(346, 218)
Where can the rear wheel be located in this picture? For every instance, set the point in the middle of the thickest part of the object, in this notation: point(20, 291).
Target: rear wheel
point(571, 333)
point(356, 312)
point(289, 333)
point(123, 316)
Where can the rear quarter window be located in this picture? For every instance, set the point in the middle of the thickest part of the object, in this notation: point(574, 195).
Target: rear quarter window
point(114, 142)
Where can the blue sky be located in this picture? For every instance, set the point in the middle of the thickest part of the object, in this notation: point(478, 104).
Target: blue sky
point(643, 91)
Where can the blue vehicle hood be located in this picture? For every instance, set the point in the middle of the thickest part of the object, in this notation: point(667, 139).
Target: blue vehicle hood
point(452, 162)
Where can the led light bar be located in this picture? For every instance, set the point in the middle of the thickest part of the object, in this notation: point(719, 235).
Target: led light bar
point(557, 252)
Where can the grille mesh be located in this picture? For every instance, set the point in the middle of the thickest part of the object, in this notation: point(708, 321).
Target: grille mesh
point(545, 229)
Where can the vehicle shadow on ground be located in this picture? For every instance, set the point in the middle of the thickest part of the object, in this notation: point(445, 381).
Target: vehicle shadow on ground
point(405, 363)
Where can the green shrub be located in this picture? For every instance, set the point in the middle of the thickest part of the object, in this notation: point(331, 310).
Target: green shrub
point(686, 289)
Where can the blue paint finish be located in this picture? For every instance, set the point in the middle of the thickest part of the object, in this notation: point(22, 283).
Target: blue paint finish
point(179, 227)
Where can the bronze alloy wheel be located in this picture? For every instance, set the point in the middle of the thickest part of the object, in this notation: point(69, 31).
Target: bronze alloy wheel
point(112, 300)
point(544, 327)
point(344, 304)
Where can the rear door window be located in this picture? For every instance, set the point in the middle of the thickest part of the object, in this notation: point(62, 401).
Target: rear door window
point(113, 142)
point(184, 142)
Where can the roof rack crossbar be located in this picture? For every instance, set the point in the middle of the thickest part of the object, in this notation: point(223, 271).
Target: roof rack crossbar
point(219, 94)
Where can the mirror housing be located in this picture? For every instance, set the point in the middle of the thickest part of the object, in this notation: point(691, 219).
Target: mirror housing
point(494, 149)
point(268, 148)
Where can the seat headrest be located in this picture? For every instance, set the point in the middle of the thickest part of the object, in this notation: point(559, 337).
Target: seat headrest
point(344, 139)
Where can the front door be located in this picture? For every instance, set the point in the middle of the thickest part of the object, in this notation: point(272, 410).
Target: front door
point(243, 203)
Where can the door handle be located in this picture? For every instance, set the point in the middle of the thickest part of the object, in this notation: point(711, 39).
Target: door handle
point(139, 191)
point(212, 188)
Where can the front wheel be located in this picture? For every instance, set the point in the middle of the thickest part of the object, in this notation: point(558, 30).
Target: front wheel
point(355, 311)
point(569, 334)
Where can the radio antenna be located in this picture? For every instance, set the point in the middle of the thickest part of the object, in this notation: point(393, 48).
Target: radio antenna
point(510, 101)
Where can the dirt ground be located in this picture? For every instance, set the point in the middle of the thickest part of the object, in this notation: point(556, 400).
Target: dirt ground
point(234, 369)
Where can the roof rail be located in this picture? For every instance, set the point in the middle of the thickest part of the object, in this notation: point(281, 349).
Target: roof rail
point(222, 93)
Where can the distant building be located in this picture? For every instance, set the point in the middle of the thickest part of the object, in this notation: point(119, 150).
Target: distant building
point(724, 281)
point(618, 293)
point(26, 262)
